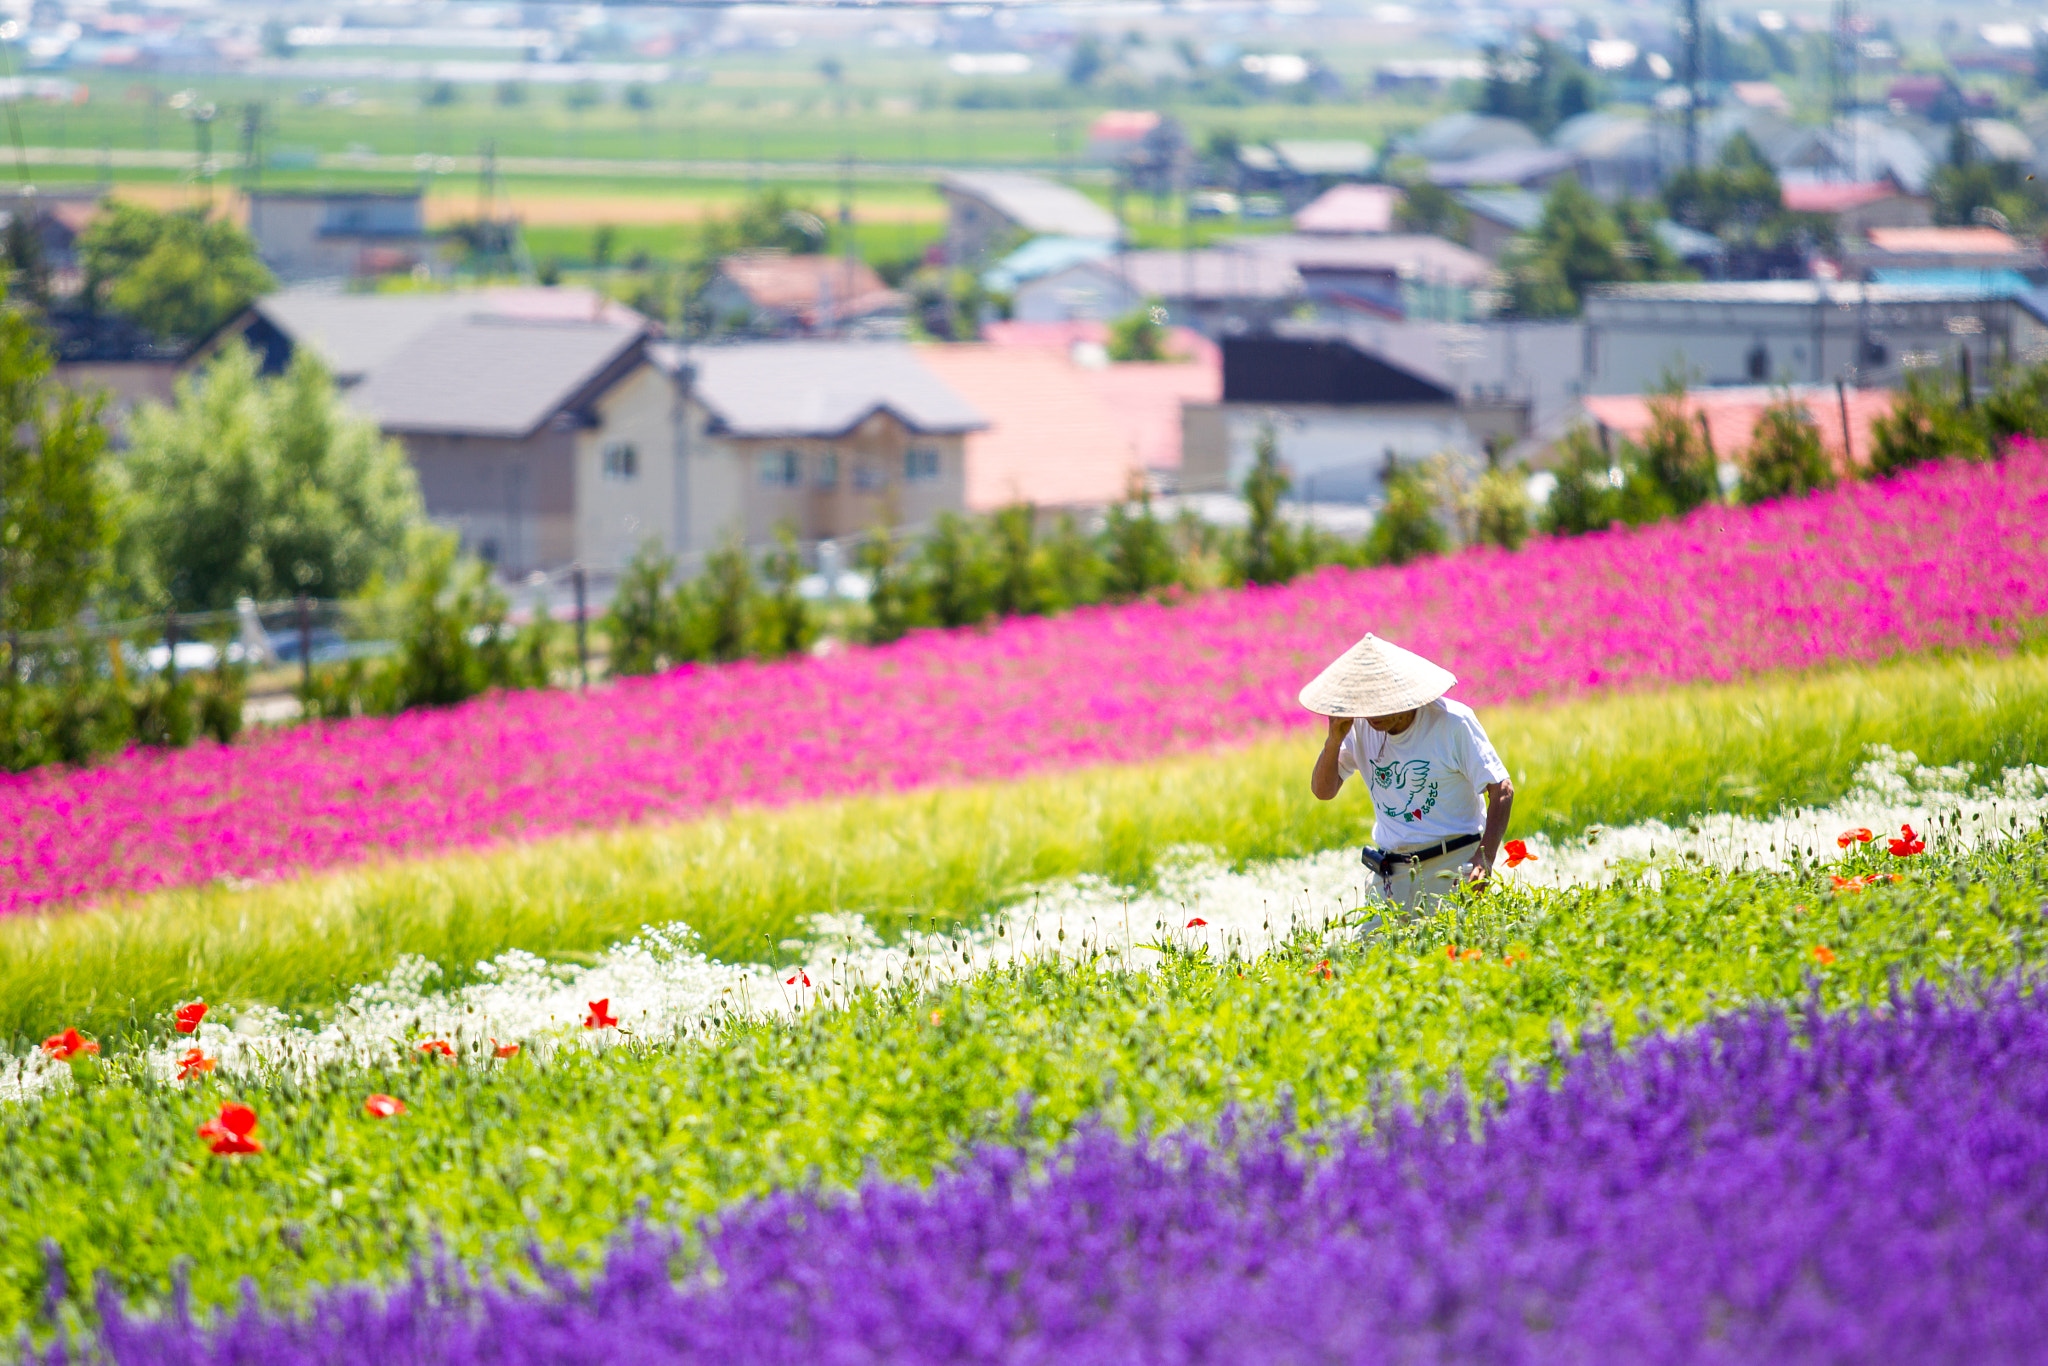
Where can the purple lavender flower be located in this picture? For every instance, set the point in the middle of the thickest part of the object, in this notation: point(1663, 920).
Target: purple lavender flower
point(1870, 1188)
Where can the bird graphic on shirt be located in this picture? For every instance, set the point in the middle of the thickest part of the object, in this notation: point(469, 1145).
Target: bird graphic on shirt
point(1411, 776)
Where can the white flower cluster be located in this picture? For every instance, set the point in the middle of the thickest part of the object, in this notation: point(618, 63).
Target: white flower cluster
point(660, 983)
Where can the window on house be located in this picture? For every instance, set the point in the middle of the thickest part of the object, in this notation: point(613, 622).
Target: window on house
point(828, 470)
point(869, 478)
point(782, 469)
point(621, 462)
point(921, 462)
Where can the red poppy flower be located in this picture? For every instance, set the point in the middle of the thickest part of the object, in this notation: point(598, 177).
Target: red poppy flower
point(437, 1047)
point(1451, 952)
point(798, 976)
point(381, 1106)
point(1471, 956)
point(68, 1045)
point(1196, 923)
point(188, 1017)
point(1326, 970)
point(1850, 884)
point(194, 1063)
point(1518, 853)
point(1908, 846)
point(600, 1016)
point(1857, 836)
point(503, 1050)
point(229, 1133)
point(1823, 955)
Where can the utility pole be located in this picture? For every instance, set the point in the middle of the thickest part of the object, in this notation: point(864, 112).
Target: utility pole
point(849, 248)
point(1842, 85)
point(1689, 31)
point(252, 132)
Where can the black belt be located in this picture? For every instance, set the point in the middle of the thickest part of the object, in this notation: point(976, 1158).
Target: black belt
point(1384, 863)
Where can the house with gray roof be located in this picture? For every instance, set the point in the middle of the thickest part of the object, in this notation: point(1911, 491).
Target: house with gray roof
point(990, 212)
point(828, 438)
point(540, 431)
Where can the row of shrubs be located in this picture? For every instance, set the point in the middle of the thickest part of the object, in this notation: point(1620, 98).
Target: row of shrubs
point(1675, 468)
point(80, 713)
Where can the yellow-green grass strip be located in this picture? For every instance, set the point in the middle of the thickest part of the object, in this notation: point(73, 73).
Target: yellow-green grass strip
point(747, 880)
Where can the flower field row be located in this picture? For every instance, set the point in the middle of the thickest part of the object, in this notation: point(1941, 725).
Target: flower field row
point(1197, 903)
point(753, 885)
point(560, 1146)
point(1835, 1189)
point(1941, 557)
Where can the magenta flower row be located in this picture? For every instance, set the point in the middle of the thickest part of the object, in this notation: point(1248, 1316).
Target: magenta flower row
point(1943, 557)
point(1870, 1192)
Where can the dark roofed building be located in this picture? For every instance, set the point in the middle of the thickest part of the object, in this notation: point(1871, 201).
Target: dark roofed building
point(1280, 369)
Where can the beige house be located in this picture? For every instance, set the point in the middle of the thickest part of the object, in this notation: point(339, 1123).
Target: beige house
point(828, 438)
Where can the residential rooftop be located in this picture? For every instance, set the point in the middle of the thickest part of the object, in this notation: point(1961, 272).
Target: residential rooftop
point(821, 389)
point(1036, 204)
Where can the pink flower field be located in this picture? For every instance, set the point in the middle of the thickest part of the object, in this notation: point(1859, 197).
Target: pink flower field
point(1950, 556)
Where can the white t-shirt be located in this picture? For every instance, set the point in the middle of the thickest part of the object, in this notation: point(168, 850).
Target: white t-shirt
point(1427, 784)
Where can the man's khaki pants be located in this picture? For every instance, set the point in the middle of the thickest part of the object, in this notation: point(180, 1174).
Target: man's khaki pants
point(1410, 884)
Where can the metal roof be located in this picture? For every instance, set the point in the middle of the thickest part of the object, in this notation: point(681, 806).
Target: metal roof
point(818, 388)
point(487, 376)
point(1035, 204)
point(1807, 292)
point(356, 334)
point(1514, 167)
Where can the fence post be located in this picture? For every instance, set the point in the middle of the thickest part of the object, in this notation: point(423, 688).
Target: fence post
point(171, 646)
point(582, 643)
point(305, 644)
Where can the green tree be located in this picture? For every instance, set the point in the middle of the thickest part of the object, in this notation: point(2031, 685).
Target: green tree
point(260, 487)
point(1537, 82)
point(783, 623)
point(1406, 528)
point(895, 606)
point(1785, 458)
point(1140, 558)
point(1075, 572)
point(55, 518)
point(179, 275)
point(643, 624)
point(719, 607)
point(1430, 208)
point(960, 574)
point(1500, 509)
point(1579, 244)
point(1269, 554)
point(1736, 196)
point(1927, 422)
point(1676, 456)
point(1139, 335)
point(1020, 588)
point(1587, 496)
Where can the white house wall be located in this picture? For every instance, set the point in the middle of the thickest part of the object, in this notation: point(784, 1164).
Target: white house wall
point(614, 515)
point(1336, 455)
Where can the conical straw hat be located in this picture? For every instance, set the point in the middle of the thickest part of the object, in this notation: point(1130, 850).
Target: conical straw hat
point(1374, 678)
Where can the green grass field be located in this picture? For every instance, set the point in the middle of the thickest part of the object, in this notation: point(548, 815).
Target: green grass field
point(750, 880)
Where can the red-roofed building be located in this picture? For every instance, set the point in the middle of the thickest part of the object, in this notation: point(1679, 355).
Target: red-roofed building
point(1351, 209)
point(1984, 249)
point(775, 294)
point(1731, 416)
point(1066, 427)
point(1858, 206)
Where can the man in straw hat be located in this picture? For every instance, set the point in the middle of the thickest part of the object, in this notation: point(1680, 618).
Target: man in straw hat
point(1427, 763)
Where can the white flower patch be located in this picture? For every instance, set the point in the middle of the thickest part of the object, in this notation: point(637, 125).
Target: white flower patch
point(659, 983)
